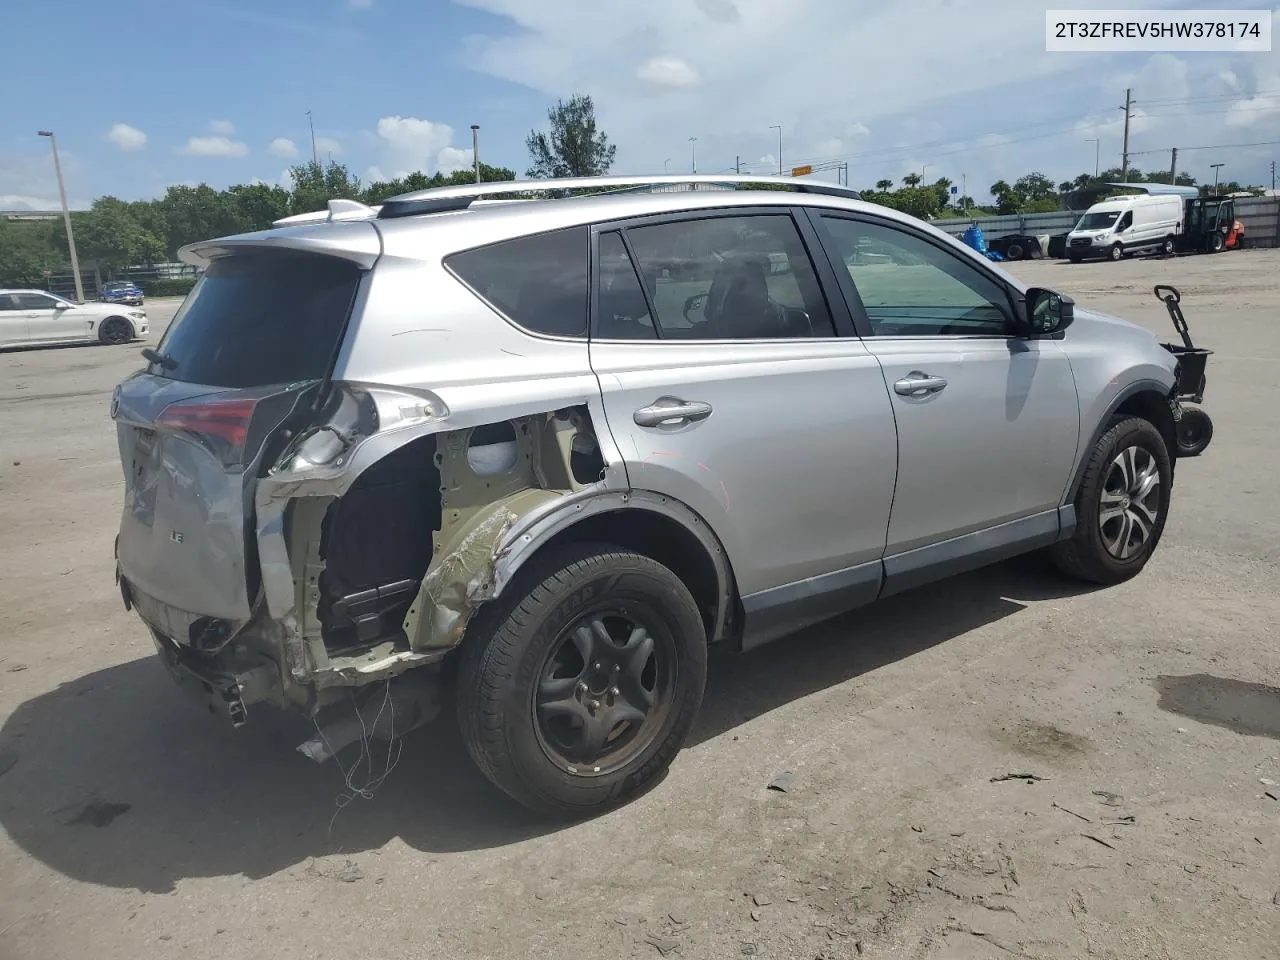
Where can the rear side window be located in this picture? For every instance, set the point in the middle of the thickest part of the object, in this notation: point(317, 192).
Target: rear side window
point(538, 282)
point(261, 319)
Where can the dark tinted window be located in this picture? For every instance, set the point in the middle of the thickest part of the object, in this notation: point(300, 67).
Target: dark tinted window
point(730, 278)
point(34, 301)
point(911, 288)
point(261, 319)
point(539, 282)
point(623, 310)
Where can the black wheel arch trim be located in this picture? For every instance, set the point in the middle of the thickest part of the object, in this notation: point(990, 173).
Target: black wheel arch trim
point(1104, 423)
point(526, 539)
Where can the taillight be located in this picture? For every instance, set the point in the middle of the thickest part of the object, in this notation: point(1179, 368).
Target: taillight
point(222, 424)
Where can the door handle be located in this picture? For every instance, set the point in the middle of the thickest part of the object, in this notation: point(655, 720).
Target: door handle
point(671, 410)
point(917, 384)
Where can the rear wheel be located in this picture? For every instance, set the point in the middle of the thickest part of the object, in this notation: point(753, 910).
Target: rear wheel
point(1116, 251)
point(1195, 430)
point(578, 687)
point(1167, 247)
point(115, 331)
point(1121, 505)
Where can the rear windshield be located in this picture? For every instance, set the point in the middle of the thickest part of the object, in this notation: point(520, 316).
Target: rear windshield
point(260, 319)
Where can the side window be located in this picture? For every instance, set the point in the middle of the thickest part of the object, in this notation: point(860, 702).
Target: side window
point(33, 301)
point(8, 302)
point(731, 278)
point(911, 288)
point(623, 311)
point(538, 282)
point(1126, 221)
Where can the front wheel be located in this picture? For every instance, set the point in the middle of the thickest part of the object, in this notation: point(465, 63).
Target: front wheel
point(1116, 251)
point(1121, 505)
point(579, 685)
point(1216, 243)
point(115, 331)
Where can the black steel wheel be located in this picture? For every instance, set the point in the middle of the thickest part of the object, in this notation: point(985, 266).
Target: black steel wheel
point(579, 685)
point(115, 331)
point(1121, 505)
point(1195, 430)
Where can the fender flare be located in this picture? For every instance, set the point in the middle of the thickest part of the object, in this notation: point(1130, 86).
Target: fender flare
point(1145, 385)
point(534, 530)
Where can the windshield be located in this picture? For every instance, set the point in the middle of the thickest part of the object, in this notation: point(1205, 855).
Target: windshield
point(260, 319)
point(1099, 220)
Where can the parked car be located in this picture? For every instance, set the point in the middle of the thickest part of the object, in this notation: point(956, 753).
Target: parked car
point(509, 448)
point(37, 318)
point(1123, 225)
point(122, 291)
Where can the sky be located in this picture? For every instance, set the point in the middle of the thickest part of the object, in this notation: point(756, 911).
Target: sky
point(147, 93)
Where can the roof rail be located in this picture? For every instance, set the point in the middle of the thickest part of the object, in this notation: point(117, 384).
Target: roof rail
point(441, 199)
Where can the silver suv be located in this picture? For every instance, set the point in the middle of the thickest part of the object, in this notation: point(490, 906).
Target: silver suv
point(542, 453)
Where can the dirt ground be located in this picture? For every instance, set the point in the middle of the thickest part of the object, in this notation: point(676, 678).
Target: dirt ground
point(133, 825)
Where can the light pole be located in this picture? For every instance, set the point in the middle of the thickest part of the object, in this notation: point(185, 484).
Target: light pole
point(475, 149)
point(315, 157)
point(778, 127)
point(666, 165)
point(1215, 166)
point(693, 152)
point(923, 168)
point(66, 215)
point(1097, 146)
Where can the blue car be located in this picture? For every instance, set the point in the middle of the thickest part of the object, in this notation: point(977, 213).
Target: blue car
point(122, 291)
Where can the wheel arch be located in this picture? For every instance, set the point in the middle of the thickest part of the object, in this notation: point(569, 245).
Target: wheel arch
point(1148, 399)
point(652, 524)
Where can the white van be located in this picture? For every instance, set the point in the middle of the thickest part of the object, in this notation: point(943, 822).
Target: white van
point(1115, 227)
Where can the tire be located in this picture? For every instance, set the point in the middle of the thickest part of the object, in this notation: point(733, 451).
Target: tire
point(115, 331)
point(1014, 251)
point(1215, 242)
point(1116, 252)
point(1074, 259)
point(1167, 247)
point(1195, 430)
point(1122, 461)
point(530, 645)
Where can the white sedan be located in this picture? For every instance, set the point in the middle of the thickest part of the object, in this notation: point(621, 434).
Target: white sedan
point(39, 318)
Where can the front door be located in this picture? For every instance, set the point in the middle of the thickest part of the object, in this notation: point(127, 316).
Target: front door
point(987, 422)
point(727, 385)
point(51, 319)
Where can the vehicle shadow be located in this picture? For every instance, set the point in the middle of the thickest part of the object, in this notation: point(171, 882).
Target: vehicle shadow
point(114, 779)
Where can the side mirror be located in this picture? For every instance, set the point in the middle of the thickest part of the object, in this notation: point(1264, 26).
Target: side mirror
point(1048, 312)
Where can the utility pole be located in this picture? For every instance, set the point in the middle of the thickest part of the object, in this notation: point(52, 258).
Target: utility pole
point(1124, 156)
point(315, 157)
point(1097, 149)
point(923, 168)
point(1216, 168)
point(693, 154)
point(1273, 174)
point(1173, 168)
point(475, 149)
point(666, 165)
point(778, 127)
point(737, 167)
point(66, 216)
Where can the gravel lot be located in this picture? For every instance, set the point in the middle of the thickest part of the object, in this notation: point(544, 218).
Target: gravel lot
point(133, 825)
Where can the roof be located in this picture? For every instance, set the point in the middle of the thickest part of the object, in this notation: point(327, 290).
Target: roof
point(1160, 189)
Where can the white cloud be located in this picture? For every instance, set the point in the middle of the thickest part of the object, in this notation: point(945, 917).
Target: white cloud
point(452, 158)
point(15, 201)
point(327, 145)
point(374, 174)
point(214, 147)
point(125, 137)
point(282, 147)
point(408, 143)
point(222, 128)
point(668, 72)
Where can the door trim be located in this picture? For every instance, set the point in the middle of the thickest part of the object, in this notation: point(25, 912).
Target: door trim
point(937, 561)
point(779, 611)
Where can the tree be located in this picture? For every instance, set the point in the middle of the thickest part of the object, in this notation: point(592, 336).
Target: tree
point(573, 147)
point(911, 180)
point(111, 234)
point(27, 249)
point(381, 190)
point(314, 185)
point(883, 185)
point(258, 205)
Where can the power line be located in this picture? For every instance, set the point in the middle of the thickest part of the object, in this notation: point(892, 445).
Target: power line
point(1212, 146)
point(1221, 96)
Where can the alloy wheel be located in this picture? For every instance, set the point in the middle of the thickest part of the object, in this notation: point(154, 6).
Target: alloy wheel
point(1130, 502)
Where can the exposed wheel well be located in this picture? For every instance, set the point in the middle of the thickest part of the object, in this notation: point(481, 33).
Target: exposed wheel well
point(1154, 408)
point(664, 540)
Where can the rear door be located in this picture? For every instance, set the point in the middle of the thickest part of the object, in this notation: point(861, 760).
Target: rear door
point(729, 384)
point(246, 351)
point(13, 321)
